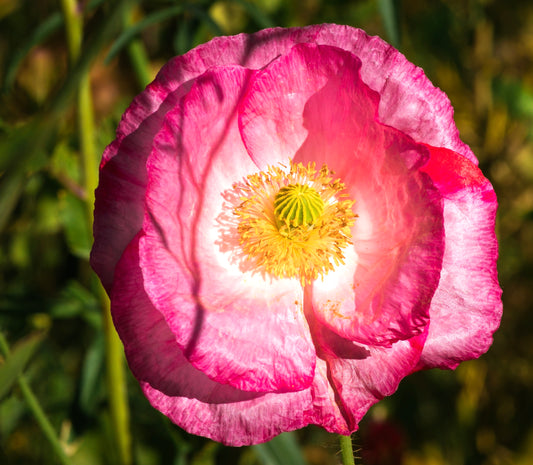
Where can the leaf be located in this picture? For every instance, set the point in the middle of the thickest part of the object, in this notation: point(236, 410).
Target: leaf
point(44, 30)
point(516, 94)
point(24, 144)
point(258, 15)
point(22, 152)
point(281, 450)
point(11, 188)
point(207, 455)
point(183, 36)
point(206, 18)
point(129, 34)
point(92, 374)
point(388, 12)
point(65, 166)
point(91, 48)
point(40, 34)
point(17, 360)
point(76, 301)
point(76, 225)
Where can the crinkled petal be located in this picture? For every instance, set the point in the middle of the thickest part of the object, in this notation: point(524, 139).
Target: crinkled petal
point(408, 102)
point(466, 308)
point(383, 292)
point(191, 399)
point(362, 375)
point(360, 383)
point(257, 420)
point(119, 204)
point(151, 349)
point(271, 116)
point(235, 326)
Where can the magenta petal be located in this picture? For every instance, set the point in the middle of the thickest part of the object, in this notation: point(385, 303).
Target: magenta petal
point(467, 307)
point(402, 86)
point(191, 399)
point(151, 349)
point(256, 420)
point(119, 204)
point(362, 375)
point(360, 383)
point(383, 293)
point(271, 116)
point(254, 337)
point(408, 100)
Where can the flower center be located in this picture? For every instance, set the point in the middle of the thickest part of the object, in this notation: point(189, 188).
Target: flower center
point(297, 204)
point(293, 223)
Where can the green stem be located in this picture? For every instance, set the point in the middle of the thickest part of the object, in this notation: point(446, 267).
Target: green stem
point(87, 146)
point(346, 450)
point(116, 382)
point(38, 412)
point(73, 27)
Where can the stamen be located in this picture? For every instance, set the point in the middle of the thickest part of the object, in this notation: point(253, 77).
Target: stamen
point(295, 223)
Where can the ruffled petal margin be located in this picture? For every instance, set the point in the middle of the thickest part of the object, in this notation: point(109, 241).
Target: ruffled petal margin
point(348, 378)
point(466, 308)
point(191, 399)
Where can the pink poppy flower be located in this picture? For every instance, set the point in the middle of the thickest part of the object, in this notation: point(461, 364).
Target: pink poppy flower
point(287, 225)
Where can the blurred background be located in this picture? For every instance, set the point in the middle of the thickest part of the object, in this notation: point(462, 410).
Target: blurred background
point(69, 69)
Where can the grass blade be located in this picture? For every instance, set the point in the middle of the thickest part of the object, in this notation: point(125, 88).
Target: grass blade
point(17, 360)
point(389, 14)
point(281, 450)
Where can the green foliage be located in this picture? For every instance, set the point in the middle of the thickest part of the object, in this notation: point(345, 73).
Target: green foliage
point(479, 53)
point(280, 450)
point(388, 9)
point(16, 361)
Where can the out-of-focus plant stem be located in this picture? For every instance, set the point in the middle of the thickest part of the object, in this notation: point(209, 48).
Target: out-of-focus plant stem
point(74, 26)
point(346, 450)
point(137, 55)
point(35, 407)
point(118, 398)
point(116, 382)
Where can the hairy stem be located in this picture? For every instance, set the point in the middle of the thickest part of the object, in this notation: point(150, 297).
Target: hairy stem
point(346, 450)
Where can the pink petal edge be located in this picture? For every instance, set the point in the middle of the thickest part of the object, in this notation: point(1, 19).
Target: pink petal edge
point(466, 308)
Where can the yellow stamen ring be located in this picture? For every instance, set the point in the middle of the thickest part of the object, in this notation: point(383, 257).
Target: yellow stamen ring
point(293, 223)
